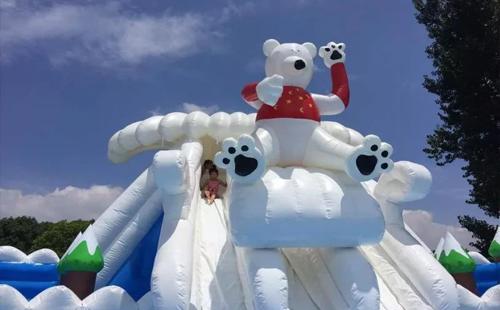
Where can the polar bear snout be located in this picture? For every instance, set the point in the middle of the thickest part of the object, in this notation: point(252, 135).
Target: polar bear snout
point(294, 65)
point(299, 64)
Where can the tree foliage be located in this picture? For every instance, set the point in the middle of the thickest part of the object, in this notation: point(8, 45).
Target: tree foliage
point(28, 235)
point(20, 232)
point(465, 52)
point(59, 236)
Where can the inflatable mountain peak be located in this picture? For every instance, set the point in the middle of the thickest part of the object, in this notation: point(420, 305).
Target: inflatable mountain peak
point(453, 257)
point(83, 254)
point(494, 249)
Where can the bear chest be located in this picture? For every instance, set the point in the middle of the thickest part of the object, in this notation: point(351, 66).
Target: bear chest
point(295, 102)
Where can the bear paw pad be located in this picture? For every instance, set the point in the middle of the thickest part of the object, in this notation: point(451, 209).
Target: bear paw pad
point(370, 159)
point(242, 160)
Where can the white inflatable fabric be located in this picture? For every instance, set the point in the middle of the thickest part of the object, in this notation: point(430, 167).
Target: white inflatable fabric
point(126, 221)
point(295, 207)
point(490, 300)
point(197, 265)
point(162, 132)
point(432, 282)
point(62, 298)
point(42, 256)
point(175, 247)
point(478, 258)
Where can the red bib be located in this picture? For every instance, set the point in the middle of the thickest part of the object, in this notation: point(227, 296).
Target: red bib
point(295, 102)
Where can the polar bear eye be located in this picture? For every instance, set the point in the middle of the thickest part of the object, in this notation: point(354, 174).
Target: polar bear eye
point(327, 49)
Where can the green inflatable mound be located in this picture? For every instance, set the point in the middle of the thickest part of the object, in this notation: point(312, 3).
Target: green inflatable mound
point(494, 249)
point(80, 259)
point(456, 262)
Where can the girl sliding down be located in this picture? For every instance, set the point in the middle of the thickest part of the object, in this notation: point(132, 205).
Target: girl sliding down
point(211, 189)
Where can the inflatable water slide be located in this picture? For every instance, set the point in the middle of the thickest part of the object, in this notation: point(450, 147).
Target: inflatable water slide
point(311, 218)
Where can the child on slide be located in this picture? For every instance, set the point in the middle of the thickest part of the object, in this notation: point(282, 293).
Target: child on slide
point(205, 173)
point(212, 188)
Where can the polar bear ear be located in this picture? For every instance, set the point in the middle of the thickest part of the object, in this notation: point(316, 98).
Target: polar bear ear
point(269, 46)
point(311, 48)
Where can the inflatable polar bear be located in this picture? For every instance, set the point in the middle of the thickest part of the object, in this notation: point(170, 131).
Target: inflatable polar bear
point(288, 130)
point(287, 205)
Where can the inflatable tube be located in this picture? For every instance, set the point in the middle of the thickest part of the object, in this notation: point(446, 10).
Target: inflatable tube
point(117, 253)
point(174, 258)
point(158, 132)
point(117, 216)
point(265, 278)
point(28, 272)
point(134, 276)
point(431, 280)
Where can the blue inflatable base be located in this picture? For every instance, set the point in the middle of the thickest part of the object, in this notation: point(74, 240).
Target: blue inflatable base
point(29, 279)
point(486, 276)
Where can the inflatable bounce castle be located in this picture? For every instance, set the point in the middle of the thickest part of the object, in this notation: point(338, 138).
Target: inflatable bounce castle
point(303, 223)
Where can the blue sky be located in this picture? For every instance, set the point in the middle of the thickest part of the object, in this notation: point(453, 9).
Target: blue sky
point(72, 73)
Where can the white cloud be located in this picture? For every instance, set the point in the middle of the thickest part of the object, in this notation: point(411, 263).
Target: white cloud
point(191, 107)
point(422, 223)
point(101, 34)
point(69, 203)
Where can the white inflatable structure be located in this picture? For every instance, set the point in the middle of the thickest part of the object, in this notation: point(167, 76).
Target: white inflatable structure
point(198, 264)
point(303, 225)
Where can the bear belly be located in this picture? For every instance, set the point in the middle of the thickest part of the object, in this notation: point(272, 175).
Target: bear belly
point(299, 207)
point(295, 102)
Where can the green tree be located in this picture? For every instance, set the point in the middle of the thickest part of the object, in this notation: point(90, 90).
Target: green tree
point(59, 236)
point(465, 51)
point(20, 232)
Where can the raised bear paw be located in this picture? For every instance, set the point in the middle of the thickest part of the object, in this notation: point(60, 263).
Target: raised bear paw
point(332, 53)
point(369, 159)
point(269, 90)
point(242, 160)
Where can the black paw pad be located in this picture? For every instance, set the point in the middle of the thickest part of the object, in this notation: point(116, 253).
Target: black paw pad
point(335, 55)
point(366, 164)
point(244, 166)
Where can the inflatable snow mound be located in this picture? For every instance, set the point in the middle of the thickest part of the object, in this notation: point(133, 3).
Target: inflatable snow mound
point(43, 256)
point(62, 298)
point(297, 207)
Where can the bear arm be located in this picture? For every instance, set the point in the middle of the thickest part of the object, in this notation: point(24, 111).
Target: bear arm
point(249, 94)
point(338, 100)
point(328, 104)
point(340, 82)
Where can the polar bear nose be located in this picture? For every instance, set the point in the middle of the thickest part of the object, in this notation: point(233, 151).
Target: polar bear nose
point(299, 64)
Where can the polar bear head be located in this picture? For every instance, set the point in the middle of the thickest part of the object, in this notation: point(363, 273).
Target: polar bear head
point(291, 60)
